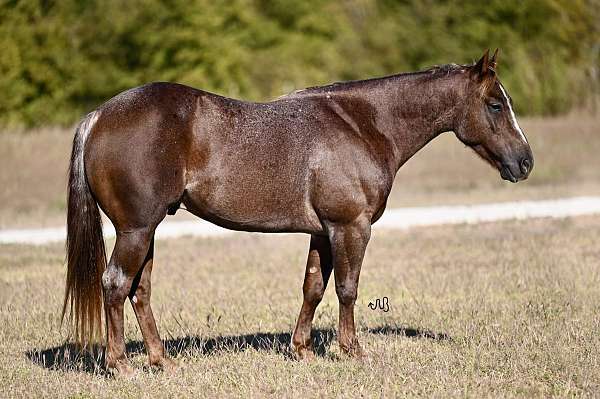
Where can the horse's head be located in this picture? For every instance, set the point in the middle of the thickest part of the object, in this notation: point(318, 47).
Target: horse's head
point(487, 123)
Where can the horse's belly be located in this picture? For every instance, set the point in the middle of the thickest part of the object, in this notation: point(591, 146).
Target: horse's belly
point(258, 206)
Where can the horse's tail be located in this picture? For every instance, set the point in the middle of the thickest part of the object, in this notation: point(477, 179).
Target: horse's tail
point(86, 257)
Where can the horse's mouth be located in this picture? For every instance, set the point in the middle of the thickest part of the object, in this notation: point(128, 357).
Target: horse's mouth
point(506, 174)
point(513, 174)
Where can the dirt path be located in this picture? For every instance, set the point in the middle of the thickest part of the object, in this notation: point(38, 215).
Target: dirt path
point(399, 218)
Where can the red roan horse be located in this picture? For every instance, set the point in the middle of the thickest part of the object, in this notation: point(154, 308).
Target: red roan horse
point(319, 161)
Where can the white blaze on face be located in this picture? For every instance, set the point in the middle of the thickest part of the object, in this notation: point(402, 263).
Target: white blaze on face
point(513, 117)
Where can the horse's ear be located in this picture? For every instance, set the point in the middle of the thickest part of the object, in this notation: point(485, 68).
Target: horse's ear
point(493, 61)
point(481, 66)
point(484, 71)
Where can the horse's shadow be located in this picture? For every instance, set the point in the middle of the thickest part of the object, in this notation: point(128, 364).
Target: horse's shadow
point(410, 332)
point(69, 357)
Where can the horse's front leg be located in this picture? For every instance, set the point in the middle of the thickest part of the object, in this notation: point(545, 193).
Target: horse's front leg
point(348, 244)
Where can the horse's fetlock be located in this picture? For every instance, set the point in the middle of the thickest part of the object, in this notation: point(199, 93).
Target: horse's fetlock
point(300, 342)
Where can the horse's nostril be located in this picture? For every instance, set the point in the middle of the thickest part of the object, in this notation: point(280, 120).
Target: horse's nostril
point(525, 165)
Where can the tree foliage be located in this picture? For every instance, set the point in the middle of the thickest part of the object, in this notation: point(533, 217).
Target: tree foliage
point(62, 58)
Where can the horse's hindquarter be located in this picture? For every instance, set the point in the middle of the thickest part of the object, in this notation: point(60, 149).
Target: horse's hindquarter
point(135, 153)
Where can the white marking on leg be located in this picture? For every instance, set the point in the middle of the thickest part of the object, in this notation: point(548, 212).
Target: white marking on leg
point(113, 278)
point(513, 117)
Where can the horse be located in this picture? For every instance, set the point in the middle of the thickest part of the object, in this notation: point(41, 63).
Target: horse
point(319, 161)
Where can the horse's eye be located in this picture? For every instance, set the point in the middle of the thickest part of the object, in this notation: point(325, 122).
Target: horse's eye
point(495, 107)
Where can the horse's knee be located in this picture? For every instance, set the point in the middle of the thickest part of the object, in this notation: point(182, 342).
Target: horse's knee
point(346, 294)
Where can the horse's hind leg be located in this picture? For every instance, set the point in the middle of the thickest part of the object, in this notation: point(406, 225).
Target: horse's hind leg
point(318, 270)
point(129, 254)
point(139, 296)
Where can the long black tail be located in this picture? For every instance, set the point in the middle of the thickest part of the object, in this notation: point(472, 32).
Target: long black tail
point(86, 256)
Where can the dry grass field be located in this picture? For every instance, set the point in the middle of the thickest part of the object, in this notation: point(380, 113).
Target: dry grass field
point(33, 171)
point(494, 310)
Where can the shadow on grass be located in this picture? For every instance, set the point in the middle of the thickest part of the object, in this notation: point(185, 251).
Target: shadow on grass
point(410, 332)
point(69, 357)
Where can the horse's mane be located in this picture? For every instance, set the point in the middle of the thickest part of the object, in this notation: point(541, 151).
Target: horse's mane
point(434, 71)
point(446, 68)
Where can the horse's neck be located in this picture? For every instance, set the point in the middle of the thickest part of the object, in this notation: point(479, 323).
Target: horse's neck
point(415, 109)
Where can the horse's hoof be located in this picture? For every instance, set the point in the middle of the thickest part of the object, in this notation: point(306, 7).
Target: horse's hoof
point(166, 364)
point(354, 351)
point(303, 350)
point(305, 354)
point(169, 366)
point(121, 369)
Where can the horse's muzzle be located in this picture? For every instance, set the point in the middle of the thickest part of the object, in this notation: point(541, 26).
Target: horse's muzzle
point(515, 172)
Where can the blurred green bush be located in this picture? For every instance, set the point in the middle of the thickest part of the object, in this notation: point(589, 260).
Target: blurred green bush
point(60, 59)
